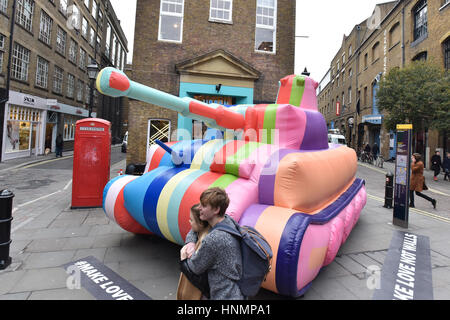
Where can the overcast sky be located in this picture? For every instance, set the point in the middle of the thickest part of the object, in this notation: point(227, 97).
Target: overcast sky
point(324, 22)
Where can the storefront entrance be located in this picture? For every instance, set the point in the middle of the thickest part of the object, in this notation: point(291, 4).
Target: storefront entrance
point(23, 126)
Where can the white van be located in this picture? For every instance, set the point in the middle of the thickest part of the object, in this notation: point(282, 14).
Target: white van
point(336, 139)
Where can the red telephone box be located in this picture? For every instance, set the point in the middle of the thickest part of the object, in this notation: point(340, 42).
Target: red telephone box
point(91, 162)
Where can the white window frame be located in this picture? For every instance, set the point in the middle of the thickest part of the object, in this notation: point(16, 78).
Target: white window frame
point(230, 11)
point(80, 85)
point(349, 95)
point(84, 28)
point(58, 79)
point(61, 40)
point(69, 127)
point(42, 72)
point(173, 14)
point(92, 36)
point(3, 6)
point(264, 26)
point(148, 131)
point(24, 13)
point(70, 85)
point(45, 28)
point(73, 51)
point(82, 60)
point(20, 62)
point(63, 7)
point(94, 9)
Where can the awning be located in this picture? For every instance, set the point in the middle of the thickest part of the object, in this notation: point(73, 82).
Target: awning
point(373, 118)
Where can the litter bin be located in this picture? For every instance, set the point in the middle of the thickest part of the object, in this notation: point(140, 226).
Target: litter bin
point(389, 190)
point(6, 197)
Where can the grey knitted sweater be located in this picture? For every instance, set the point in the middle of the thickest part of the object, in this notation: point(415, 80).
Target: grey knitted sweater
point(220, 256)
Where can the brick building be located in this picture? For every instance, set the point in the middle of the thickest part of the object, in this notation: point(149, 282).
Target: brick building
point(225, 51)
point(49, 89)
point(397, 33)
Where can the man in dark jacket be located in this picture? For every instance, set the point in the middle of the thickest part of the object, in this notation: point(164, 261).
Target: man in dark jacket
point(59, 145)
point(436, 164)
point(446, 167)
point(375, 151)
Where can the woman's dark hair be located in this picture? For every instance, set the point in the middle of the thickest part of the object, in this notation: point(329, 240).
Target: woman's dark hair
point(417, 156)
point(196, 212)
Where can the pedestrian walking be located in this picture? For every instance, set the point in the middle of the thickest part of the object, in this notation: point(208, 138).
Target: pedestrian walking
point(417, 182)
point(446, 167)
point(436, 164)
point(186, 290)
point(59, 145)
point(375, 151)
point(220, 254)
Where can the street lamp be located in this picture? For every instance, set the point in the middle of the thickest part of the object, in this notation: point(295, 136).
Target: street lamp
point(92, 70)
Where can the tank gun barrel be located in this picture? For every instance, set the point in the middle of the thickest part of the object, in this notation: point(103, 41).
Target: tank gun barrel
point(115, 83)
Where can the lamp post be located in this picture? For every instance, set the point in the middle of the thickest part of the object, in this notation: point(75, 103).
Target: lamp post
point(92, 70)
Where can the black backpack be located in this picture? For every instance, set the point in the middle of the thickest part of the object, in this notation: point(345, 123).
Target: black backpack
point(256, 256)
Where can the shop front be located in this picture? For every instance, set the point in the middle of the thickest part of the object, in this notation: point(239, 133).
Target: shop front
point(32, 123)
point(62, 119)
point(24, 126)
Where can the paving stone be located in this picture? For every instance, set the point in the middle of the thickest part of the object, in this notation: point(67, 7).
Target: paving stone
point(163, 288)
point(332, 289)
point(350, 265)
point(15, 296)
point(378, 256)
point(439, 260)
point(18, 245)
point(48, 259)
point(96, 221)
point(99, 253)
point(9, 279)
point(333, 270)
point(43, 245)
point(107, 241)
point(364, 260)
point(65, 223)
point(41, 279)
point(440, 277)
point(61, 294)
point(78, 243)
point(441, 293)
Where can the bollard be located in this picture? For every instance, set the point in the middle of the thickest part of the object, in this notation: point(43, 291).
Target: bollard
point(6, 197)
point(389, 190)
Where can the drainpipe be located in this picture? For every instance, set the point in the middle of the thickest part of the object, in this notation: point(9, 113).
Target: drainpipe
point(403, 36)
point(8, 73)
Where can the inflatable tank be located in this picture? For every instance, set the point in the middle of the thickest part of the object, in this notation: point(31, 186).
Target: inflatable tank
point(274, 161)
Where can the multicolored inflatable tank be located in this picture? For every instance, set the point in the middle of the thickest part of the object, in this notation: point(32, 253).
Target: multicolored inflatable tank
point(281, 175)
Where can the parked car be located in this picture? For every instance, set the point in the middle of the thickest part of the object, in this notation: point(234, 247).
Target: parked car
point(125, 142)
point(336, 139)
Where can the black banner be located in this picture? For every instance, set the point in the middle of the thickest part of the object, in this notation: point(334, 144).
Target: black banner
point(406, 273)
point(101, 281)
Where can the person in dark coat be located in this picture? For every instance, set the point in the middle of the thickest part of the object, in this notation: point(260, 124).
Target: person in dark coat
point(446, 167)
point(417, 180)
point(59, 145)
point(436, 164)
point(367, 149)
point(375, 151)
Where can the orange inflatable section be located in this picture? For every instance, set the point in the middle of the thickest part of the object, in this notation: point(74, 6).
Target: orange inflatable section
point(308, 181)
